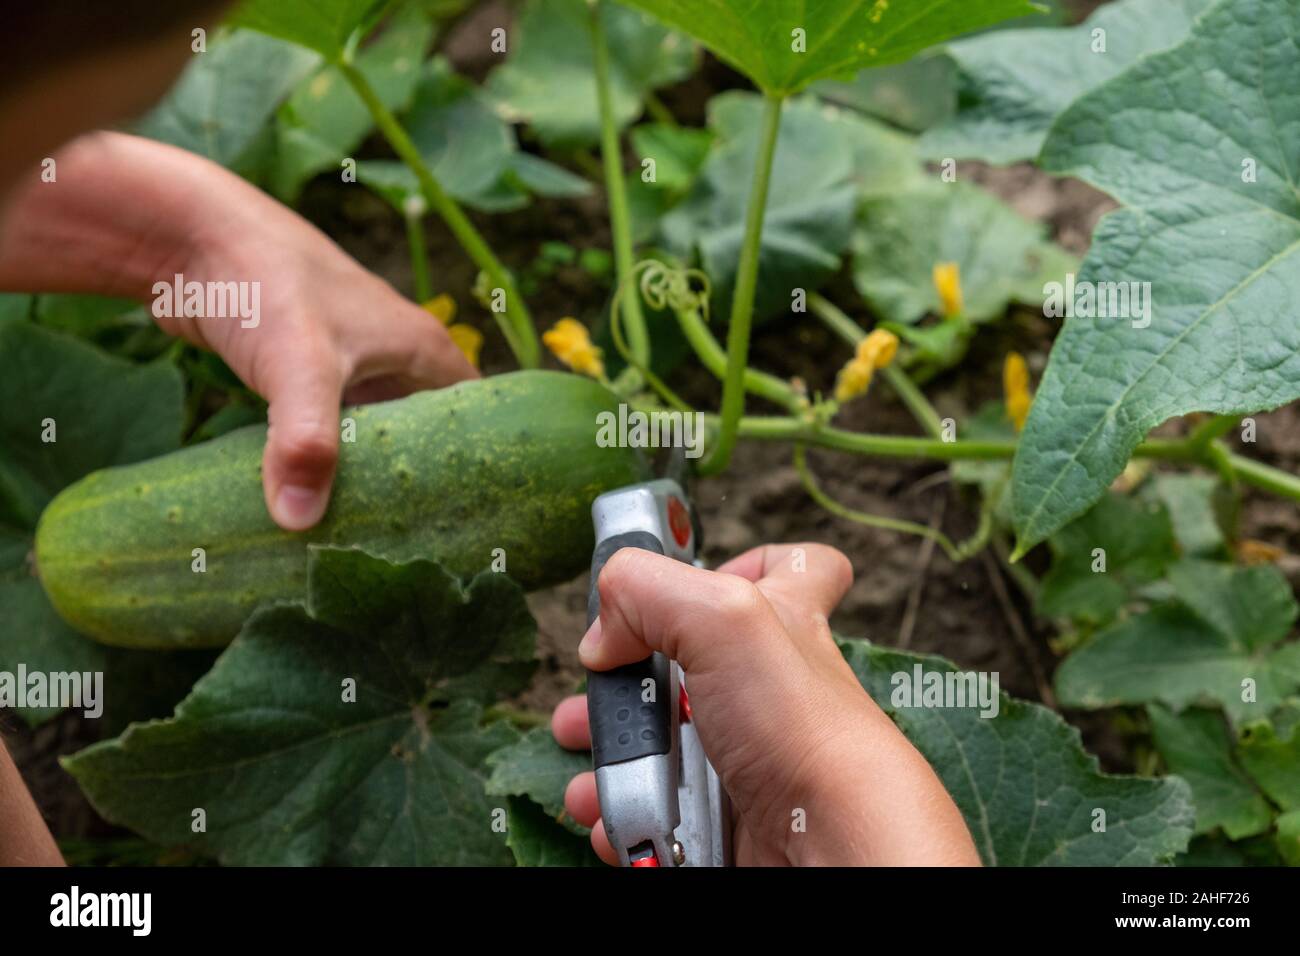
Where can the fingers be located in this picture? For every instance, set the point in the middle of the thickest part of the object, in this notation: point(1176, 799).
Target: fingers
point(569, 724)
point(811, 576)
point(649, 602)
point(406, 350)
point(581, 803)
point(302, 442)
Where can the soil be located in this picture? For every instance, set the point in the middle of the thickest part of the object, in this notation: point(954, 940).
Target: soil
point(906, 592)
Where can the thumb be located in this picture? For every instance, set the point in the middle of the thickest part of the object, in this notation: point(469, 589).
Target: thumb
point(302, 442)
point(649, 602)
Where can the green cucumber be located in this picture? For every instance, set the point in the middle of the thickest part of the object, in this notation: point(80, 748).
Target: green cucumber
point(509, 462)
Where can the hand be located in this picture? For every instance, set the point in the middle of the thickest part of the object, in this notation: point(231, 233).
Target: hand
point(781, 715)
point(127, 214)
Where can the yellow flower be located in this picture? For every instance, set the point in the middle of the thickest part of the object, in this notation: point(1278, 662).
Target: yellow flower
point(443, 307)
point(947, 282)
point(878, 348)
point(854, 380)
point(468, 339)
point(1252, 552)
point(1015, 388)
point(875, 351)
point(569, 341)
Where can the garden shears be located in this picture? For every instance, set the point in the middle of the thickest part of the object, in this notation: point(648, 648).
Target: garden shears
point(661, 801)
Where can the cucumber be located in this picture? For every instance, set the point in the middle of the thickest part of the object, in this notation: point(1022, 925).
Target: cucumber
point(508, 462)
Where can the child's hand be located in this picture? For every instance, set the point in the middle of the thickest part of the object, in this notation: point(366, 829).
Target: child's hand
point(782, 717)
point(125, 214)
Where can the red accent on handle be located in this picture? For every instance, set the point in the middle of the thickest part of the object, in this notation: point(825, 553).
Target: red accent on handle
point(650, 860)
point(679, 522)
point(685, 706)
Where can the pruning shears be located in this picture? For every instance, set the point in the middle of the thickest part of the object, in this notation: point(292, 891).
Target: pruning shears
point(661, 801)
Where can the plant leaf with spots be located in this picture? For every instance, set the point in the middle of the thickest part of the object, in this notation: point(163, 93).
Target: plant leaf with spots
point(784, 45)
point(1028, 790)
point(1200, 143)
point(293, 764)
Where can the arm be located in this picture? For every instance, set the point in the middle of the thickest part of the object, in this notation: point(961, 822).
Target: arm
point(24, 838)
point(127, 213)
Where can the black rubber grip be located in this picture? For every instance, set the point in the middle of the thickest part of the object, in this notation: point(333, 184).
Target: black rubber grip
point(623, 725)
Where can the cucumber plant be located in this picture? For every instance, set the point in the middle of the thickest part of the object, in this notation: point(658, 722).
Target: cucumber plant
point(359, 713)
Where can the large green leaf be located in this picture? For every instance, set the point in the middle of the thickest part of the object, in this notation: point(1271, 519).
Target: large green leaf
point(289, 771)
point(1028, 790)
point(537, 840)
point(783, 45)
point(1273, 759)
point(1174, 138)
point(1100, 561)
point(1195, 745)
point(538, 768)
point(1216, 650)
point(549, 81)
point(104, 412)
point(466, 145)
point(1003, 258)
point(226, 96)
point(533, 774)
point(324, 120)
point(825, 159)
point(321, 25)
point(1013, 83)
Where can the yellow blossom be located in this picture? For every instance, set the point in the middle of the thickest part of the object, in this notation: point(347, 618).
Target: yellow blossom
point(468, 339)
point(443, 307)
point(947, 282)
point(1251, 552)
point(1015, 388)
point(854, 380)
point(875, 351)
point(569, 341)
point(878, 348)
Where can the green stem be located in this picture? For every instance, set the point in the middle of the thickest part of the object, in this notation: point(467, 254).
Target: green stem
point(620, 219)
point(1212, 429)
point(956, 553)
point(658, 111)
point(1265, 477)
point(907, 391)
point(761, 428)
point(419, 258)
point(1257, 474)
point(515, 323)
point(710, 353)
point(742, 302)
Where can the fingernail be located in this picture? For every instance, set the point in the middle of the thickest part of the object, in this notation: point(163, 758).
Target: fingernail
point(298, 508)
point(590, 641)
